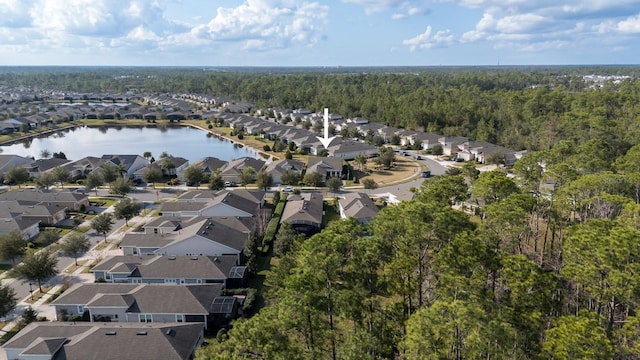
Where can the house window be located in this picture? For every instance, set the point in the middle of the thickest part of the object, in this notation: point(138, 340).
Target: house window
point(107, 276)
point(80, 309)
point(145, 318)
point(155, 231)
point(170, 281)
point(179, 318)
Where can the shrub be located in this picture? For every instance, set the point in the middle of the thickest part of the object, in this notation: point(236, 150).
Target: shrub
point(249, 302)
point(266, 148)
point(272, 227)
point(75, 317)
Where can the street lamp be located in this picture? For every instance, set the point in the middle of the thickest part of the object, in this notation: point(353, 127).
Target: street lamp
point(31, 290)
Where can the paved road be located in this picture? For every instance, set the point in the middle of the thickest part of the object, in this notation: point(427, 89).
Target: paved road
point(403, 190)
point(22, 287)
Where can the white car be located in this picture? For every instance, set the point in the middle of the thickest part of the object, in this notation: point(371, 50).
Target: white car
point(287, 189)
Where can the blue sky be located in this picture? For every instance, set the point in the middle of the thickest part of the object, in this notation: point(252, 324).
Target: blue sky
point(319, 33)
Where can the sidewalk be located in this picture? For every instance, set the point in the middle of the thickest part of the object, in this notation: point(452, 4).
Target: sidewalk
point(79, 275)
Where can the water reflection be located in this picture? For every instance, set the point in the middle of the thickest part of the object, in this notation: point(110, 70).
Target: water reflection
point(192, 144)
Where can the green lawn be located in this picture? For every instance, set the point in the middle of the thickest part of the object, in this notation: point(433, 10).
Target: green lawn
point(330, 213)
point(106, 202)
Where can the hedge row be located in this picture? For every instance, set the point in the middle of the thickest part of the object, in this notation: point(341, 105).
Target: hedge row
point(272, 228)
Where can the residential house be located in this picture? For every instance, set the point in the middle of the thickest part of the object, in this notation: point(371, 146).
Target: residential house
point(306, 142)
point(40, 166)
point(215, 236)
point(166, 269)
point(149, 303)
point(406, 136)
point(10, 126)
point(396, 197)
point(82, 167)
point(175, 116)
point(277, 168)
point(482, 151)
point(209, 165)
point(59, 199)
point(107, 341)
point(9, 161)
point(450, 144)
point(128, 164)
point(169, 166)
point(349, 150)
point(232, 171)
point(304, 212)
point(40, 212)
point(238, 203)
point(358, 206)
point(425, 139)
point(325, 166)
point(10, 222)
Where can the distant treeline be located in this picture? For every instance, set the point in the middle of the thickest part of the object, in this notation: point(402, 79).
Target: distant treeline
point(517, 107)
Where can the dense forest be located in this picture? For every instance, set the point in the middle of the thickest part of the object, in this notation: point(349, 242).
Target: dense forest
point(547, 268)
point(543, 265)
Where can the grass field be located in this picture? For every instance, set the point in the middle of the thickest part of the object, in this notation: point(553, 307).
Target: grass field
point(404, 168)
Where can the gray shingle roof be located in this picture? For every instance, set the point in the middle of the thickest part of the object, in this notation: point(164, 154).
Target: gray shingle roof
point(230, 231)
point(178, 267)
point(358, 206)
point(47, 196)
point(109, 341)
point(305, 208)
point(236, 166)
point(143, 298)
point(322, 164)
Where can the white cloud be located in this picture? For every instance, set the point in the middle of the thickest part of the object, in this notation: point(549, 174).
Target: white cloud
point(15, 13)
point(428, 39)
point(276, 23)
point(410, 11)
point(486, 23)
point(520, 23)
point(545, 45)
point(472, 35)
point(629, 25)
point(372, 6)
point(144, 24)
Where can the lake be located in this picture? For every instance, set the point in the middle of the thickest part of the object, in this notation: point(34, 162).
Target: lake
point(76, 143)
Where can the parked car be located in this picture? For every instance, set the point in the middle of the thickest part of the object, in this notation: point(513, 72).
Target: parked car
point(229, 184)
point(287, 189)
point(426, 174)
